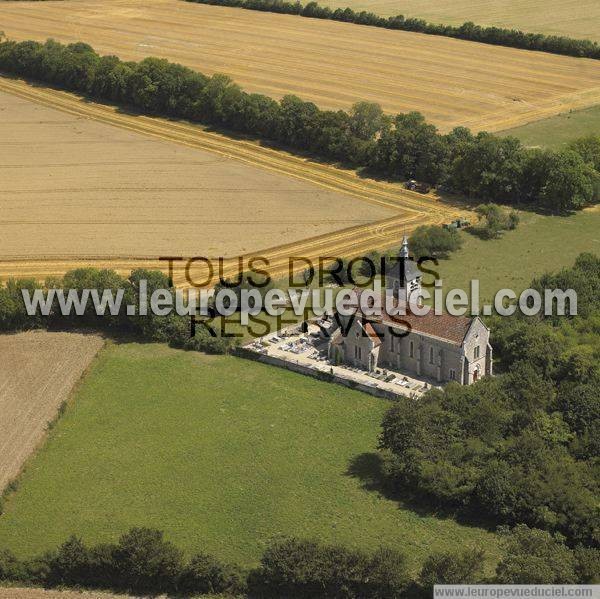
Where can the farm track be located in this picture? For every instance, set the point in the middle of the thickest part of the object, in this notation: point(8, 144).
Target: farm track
point(413, 209)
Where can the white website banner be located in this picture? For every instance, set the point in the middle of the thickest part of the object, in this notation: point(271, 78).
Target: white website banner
point(495, 591)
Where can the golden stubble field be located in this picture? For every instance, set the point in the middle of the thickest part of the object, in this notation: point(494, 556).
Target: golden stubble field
point(573, 18)
point(409, 209)
point(76, 188)
point(452, 82)
point(38, 370)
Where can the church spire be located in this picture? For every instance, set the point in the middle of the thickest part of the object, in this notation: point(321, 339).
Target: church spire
point(404, 249)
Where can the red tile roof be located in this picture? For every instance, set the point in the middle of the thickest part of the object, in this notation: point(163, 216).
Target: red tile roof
point(370, 331)
point(443, 326)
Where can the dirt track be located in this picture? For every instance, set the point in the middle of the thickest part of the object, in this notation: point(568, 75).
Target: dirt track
point(411, 209)
point(38, 369)
point(453, 82)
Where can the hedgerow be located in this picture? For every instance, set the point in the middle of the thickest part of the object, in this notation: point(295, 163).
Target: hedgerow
point(172, 328)
point(498, 36)
point(142, 561)
point(404, 146)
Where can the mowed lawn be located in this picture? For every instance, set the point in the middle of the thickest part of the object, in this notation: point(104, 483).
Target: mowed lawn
point(558, 131)
point(223, 454)
point(540, 244)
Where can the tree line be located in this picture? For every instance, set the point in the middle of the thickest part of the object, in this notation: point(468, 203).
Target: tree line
point(523, 446)
point(173, 329)
point(497, 36)
point(142, 561)
point(405, 146)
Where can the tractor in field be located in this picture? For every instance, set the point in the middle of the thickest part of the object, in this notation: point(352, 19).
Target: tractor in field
point(413, 185)
point(459, 223)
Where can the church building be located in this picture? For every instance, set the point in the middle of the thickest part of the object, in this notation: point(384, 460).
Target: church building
point(440, 347)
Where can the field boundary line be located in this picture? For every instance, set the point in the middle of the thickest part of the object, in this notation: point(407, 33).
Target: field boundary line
point(413, 209)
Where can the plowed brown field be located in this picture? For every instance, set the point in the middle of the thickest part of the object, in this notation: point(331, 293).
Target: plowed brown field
point(452, 82)
point(38, 369)
point(409, 209)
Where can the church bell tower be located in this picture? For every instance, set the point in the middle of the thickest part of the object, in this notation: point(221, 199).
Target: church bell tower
point(403, 277)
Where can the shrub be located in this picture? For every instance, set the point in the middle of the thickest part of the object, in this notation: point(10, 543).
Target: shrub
point(146, 562)
point(494, 219)
point(464, 567)
point(205, 574)
point(587, 565)
point(295, 568)
point(535, 557)
point(434, 242)
point(11, 569)
point(387, 574)
point(589, 149)
point(69, 565)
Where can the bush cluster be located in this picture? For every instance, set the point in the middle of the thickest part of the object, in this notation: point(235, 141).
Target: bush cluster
point(433, 241)
point(308, 569)
point(142, 561)
point(520, 447)
point(405, 146)
point(497, 36)
point(494, 220)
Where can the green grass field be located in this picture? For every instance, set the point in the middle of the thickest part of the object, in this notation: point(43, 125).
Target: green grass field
point(221, 453)
point(540, 244)
point(225, 454)
point(558, 131)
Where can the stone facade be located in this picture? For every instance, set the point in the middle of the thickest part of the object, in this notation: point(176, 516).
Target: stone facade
point(441, 348)
point(414, 352)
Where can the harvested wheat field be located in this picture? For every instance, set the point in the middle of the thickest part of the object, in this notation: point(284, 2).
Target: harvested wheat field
point(573, 18)
point(452, 82)
point(409, 208)
point(75, 188)
point(38, 370)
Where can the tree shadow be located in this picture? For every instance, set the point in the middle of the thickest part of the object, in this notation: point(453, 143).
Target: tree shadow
point(224, 131)
point(118, 336)
point(368, 469)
